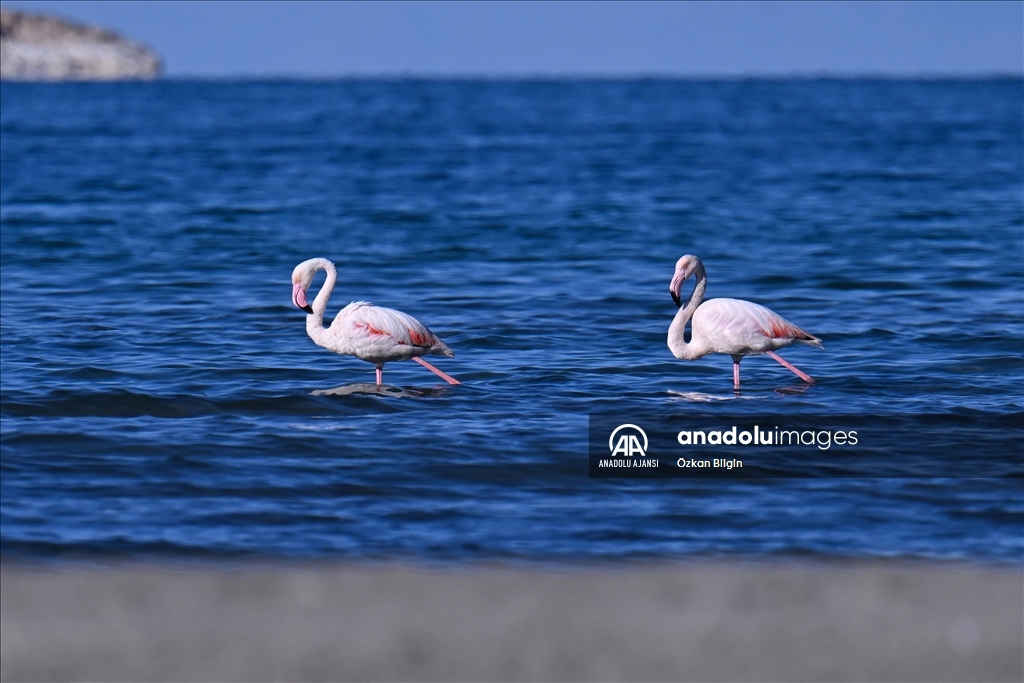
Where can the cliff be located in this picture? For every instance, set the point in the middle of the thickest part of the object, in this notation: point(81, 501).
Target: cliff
point(41, 48)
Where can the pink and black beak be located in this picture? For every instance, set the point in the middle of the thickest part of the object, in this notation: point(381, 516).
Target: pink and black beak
point(299, 298)
point(676, 286)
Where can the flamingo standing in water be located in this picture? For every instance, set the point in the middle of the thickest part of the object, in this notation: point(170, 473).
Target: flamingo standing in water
point(368, 332)
point(731, 326)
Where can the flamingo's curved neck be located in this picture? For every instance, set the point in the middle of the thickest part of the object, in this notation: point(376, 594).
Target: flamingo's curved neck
point(676, 340)
point(315, 320)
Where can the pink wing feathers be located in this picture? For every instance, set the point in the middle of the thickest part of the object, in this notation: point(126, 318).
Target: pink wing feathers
point(373, 321)
point(379, 334)
point(734, 325)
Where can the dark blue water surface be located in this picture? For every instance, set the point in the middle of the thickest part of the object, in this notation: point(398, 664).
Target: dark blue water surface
point(157, 383)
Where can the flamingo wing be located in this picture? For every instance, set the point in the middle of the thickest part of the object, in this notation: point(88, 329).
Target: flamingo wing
point(403, 329)
point(735, 326)
point(379, 334)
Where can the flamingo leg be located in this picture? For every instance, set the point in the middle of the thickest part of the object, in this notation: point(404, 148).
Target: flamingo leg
point(380, 375)
point(442, 375)
point(736, 373)
point(799, 373)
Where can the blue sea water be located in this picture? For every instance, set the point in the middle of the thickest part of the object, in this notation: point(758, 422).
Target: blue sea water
point(157, 386)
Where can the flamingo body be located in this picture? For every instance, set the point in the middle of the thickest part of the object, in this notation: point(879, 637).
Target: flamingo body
point(743, 328)
point(371, 333)
point(377, 335)
point(729, 326)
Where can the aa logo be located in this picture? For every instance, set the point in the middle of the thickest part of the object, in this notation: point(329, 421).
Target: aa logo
point(628, 442)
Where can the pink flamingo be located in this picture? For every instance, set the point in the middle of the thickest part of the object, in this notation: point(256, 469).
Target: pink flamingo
point(731, 326)
point(368, 332)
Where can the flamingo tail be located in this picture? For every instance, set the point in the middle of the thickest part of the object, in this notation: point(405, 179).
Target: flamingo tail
point(805, 337)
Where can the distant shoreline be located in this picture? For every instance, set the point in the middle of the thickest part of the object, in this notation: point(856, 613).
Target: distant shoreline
point(42, 47)
point(497, 78)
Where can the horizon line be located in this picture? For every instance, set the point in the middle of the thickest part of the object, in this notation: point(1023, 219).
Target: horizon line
point(809, 75)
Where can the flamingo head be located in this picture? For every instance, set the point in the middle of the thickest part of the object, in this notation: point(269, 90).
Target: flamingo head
point(302, 278)
point(685, 267)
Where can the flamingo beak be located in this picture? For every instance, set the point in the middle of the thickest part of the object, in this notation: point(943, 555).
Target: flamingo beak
point(676, 286)
point(299, 298)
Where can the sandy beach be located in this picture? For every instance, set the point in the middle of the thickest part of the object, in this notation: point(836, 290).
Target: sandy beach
point(712, 621)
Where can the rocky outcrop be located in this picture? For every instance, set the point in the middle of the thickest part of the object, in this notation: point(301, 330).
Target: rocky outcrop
point(34, 47)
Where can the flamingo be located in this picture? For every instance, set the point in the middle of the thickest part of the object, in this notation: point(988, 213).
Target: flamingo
point(730, 326)
point(368, 332)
